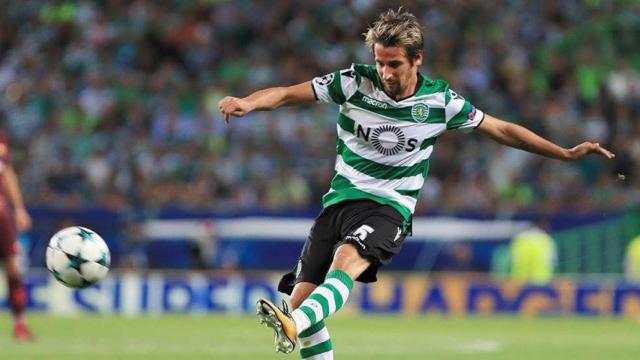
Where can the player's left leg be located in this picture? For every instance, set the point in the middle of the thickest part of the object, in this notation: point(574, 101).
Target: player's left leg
point(17, 298)
point(315, 260)
point(17, 293)
point(370, 236)
point(331, 295)
point(370, 240)
point(315, 342)
point(325, 300)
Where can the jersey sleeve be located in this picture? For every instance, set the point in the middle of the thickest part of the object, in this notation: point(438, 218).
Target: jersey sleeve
point(336, 87)
point(4, 152)
point(460, 113)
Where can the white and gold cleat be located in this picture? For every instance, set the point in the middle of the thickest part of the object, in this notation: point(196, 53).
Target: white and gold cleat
point(281, 322)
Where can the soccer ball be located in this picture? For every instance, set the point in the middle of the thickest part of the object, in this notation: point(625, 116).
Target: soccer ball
point(78, 257)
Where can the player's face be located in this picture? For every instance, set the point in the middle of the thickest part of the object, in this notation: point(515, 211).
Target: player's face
point(398, 73)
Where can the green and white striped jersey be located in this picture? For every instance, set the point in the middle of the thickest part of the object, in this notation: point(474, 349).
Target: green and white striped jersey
point(383, 146)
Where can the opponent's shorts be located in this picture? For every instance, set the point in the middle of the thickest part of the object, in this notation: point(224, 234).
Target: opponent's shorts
point(8, 244)
point(377, 232)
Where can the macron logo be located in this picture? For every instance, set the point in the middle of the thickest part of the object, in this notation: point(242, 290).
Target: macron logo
point(374, 102)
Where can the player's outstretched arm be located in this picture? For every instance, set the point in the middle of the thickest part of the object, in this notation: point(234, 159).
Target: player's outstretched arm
point(522, 138)
point(266, 99)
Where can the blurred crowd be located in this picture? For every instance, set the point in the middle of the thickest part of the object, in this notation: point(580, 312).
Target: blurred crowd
point(114, 103)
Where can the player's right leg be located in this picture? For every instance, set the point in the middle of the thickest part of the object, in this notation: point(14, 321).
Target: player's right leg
point(17, 293)
point(17, 298)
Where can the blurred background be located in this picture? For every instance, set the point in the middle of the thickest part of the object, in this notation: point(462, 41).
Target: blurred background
point(111, 112)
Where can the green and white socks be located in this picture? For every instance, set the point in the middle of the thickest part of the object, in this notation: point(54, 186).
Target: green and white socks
point(315, 343)
point(323, 301)
point(326, 299)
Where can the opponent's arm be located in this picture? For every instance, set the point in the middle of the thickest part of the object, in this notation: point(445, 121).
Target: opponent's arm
point(10, 182)
point(522, 138)
point(266, 99)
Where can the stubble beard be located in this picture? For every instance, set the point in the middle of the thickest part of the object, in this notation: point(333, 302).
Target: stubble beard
point(393, 89)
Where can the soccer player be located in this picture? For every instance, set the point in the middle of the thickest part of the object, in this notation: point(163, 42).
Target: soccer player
point(390, 116)
point(11, 199)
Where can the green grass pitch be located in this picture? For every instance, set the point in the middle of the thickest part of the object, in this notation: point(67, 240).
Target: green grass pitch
point(354, 337)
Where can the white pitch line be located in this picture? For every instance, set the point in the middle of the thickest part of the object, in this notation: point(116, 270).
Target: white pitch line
point(479, 346)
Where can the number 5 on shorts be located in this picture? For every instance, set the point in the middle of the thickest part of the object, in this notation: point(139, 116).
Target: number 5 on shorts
point(363, 231)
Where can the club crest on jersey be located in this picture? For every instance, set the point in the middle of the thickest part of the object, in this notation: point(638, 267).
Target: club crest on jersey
point(325, 80)
point(420, 112)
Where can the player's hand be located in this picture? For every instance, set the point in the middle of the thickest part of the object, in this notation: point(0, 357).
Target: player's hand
point(578, 152)
point(23, 220)
point(233, 106)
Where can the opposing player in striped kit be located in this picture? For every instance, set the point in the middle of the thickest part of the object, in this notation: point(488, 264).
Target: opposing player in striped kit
point(390, 116)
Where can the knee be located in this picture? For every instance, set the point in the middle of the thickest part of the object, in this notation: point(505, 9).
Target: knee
point(11, 267)
point(350, 261)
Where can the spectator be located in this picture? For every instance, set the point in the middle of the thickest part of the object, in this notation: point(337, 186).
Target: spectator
point(109, 103)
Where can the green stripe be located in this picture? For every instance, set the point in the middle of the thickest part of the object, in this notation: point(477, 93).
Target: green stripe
point(341, 276)
point(370, 72)
point(310, 314)
point(430, 86)
point(427, 142)
point(461, 117)
point(340, 182)
point(316, 349)
point(447, 95)
point(346, 123)
point(324, 302)
point(336, 295)
point(413, 193)
point(436, 115)
point(314, 329)
point(334, 197)
point(376, 170)
point(335, 89)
